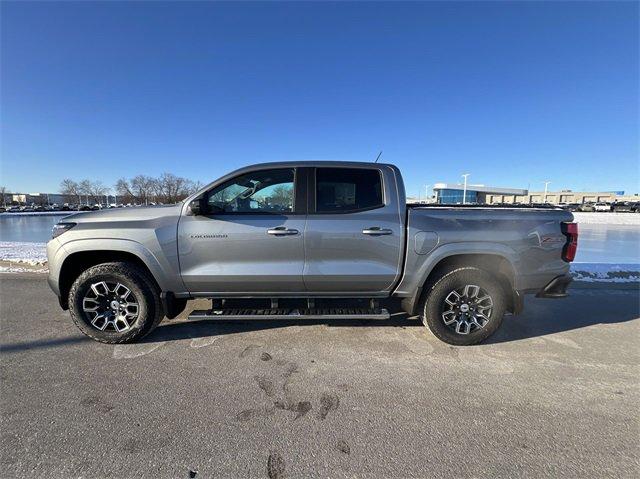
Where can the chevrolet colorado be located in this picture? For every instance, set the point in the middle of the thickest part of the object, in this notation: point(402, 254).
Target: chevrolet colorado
point(308, 240)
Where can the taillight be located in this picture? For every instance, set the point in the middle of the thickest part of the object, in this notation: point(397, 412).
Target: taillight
point(570, 230)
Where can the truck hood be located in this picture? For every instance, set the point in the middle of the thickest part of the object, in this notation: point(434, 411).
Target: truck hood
point(136, 213)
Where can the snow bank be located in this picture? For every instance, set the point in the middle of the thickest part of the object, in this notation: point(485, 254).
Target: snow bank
point(16, 268)
point(632, 219)
point(41, 213)
point(25, 253)
point(605, 272)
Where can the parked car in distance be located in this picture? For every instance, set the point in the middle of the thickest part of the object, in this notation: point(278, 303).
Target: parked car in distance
point(587, 207)
point(601, 207)
point(625, 206)
point(309, 240)
point(573, 207)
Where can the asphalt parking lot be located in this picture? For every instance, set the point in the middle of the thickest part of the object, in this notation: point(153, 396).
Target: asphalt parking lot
point(555, 393)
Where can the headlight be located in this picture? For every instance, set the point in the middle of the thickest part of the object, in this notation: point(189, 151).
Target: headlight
point(61, 228)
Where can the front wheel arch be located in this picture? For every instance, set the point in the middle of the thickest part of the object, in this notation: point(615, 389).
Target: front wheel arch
point(76, 263)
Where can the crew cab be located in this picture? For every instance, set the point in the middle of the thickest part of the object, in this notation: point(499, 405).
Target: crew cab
point(299, 240)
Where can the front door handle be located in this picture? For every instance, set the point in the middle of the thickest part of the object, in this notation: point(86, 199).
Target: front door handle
point(376, 231)
point(282, 231)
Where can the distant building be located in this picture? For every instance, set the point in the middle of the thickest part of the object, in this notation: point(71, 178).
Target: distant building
point(566, 196)
point(452, 194)
point(56, 199)
point(37, 198)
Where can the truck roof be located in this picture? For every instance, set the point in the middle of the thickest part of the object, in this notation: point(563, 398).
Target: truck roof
point(311, 163)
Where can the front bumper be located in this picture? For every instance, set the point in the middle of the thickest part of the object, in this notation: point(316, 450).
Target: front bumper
point(556, 288)
point(55, 257)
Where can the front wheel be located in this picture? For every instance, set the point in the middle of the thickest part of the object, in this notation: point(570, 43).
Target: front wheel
point(464, 306)
point(115, 302)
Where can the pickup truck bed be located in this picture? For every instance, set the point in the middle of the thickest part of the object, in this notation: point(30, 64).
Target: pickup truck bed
point(311, 232)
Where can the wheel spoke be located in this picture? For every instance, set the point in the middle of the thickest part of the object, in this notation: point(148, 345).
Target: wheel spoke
point(90, 308)
point(121, 324)
point(452, 298)
point(449, 317)
point(101, 285)
point(122, 291)
point(471, 291)
point(100, 322)
point(484, 298)
point(463, 327)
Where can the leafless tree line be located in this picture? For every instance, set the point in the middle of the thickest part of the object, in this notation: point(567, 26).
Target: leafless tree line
point(141, 189)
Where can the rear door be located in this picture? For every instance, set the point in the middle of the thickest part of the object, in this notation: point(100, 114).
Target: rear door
point(250, 239)
point(353, 236)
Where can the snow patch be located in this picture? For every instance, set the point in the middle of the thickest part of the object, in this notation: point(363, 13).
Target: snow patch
point(605, 272)
point(632, 219)
point(16, 268)
point(34, 254)
point(41, 213)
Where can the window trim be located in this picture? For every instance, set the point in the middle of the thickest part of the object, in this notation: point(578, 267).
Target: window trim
point(312, 193)
point(299, 186)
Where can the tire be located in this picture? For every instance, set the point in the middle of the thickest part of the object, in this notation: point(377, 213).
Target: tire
point(140, 310)
point(467, 323)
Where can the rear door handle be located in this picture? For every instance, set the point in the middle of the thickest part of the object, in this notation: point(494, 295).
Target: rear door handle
point(282, 231)
point(376, 231)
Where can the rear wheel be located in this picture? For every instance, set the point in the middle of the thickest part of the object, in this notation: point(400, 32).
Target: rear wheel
point(115, 302)
point(464, 306)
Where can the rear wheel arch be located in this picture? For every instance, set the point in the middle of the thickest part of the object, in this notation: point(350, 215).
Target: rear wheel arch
point(493, 263)
point(76, 263)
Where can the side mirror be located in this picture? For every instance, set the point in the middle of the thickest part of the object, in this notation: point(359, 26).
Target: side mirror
point(197, 207)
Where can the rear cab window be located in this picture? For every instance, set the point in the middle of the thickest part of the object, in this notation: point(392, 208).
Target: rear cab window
point(347, 190)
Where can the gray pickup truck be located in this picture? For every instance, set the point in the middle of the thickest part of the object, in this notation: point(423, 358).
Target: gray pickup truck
point(308, 240)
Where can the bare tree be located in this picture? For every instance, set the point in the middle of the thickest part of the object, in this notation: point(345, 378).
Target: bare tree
point(3, 191)
point(123, 189)
point(143, 187)
point(173, 188)
point(97, 191)
point(195, 186)
point(85, 188)
point(282, 196)
point(70, 189)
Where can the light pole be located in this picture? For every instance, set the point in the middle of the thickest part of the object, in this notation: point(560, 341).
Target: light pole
point(426, 193)
point(464, 190)
point(546, 185)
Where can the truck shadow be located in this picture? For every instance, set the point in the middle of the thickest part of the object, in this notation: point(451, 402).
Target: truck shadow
point(582, 309)
point(541, 317)
point(177, 330)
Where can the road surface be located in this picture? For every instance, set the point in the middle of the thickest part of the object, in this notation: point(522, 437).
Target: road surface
point(555, 393)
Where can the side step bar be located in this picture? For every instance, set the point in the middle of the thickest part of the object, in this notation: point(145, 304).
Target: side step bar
point(290, 314)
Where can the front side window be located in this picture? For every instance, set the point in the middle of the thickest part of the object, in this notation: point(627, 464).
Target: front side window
point(264, 191)
point(347, 190)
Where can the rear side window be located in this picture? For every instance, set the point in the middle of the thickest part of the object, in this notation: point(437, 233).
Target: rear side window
point(347, 190)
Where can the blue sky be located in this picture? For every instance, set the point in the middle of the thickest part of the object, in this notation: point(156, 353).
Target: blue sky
point(512, 93)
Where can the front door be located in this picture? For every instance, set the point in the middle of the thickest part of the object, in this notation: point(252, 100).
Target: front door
point(353, 239)
point(249, 239)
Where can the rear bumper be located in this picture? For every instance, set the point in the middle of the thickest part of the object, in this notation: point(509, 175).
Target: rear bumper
point(556, 288)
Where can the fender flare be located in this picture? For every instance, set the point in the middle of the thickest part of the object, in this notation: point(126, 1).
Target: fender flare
point(411, 287)
point(116, 245)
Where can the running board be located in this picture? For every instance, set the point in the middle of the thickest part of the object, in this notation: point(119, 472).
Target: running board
point(290, 314)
